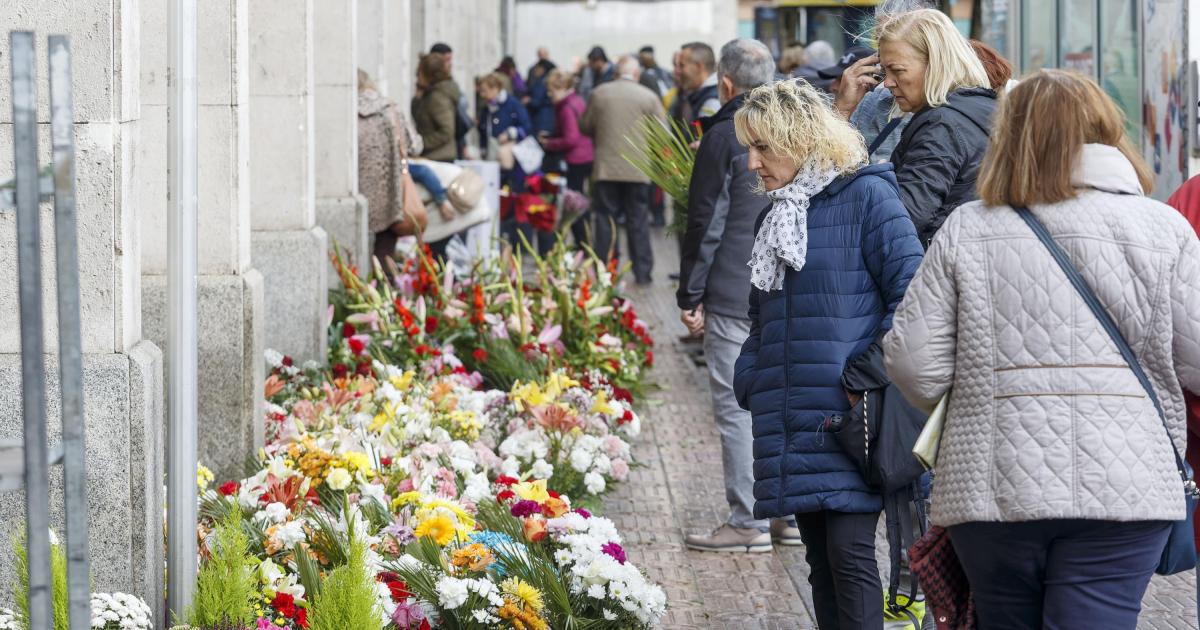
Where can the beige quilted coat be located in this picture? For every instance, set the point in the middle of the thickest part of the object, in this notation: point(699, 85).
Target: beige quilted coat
point(1045, 419)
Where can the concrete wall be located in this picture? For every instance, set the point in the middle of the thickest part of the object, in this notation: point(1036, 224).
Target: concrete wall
point(122, 372)
point(619, 26)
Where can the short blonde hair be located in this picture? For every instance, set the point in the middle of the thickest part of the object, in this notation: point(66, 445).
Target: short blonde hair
point(559, 80)
point(951, 63)
point(794, 120)
point(493, 80)
point(1039, 130)
point(793, 57)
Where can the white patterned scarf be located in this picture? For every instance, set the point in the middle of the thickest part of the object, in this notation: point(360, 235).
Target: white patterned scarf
point(782, 241)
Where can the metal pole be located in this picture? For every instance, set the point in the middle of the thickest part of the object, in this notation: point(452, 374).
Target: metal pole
point(181, 308)
point(70, 354)
point(29, 262)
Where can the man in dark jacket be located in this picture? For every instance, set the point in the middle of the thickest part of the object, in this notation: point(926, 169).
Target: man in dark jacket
point(698, 74)
point(937, 160)
point(713, 285)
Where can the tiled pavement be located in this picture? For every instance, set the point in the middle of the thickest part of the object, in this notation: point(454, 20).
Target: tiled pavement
point(678, 490)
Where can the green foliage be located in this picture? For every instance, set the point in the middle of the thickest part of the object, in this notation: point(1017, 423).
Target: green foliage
point(505, 364)
point(664, 155)
point(346, 600)
point(58, 581)
point(225, 585)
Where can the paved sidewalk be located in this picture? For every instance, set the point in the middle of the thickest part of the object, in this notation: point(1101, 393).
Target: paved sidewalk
point(678, 490)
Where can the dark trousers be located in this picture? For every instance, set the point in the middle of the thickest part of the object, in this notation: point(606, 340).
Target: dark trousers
point(577, 179)
point(840, 550)
point(634, 199)
point(1059, 574)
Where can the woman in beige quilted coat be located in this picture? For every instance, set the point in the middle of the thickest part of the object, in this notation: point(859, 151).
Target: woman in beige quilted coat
point(1055, 476)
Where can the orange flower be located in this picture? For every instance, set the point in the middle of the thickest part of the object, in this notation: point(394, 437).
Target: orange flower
point(535, 529)
point(555, 418)
point(273, 386)
point(555, 507)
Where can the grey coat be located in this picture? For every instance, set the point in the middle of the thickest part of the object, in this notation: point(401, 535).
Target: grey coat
point(1046, 420)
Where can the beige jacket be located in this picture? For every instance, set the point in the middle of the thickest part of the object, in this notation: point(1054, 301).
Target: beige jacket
point(1046, 420)
point(612, 115)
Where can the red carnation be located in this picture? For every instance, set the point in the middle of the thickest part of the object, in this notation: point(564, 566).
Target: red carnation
point(505, 480)
point(363, 369)
point(431, 325)
point(228, 488)
point(348, 330)
point(649, 358)
point(285, 604)
point(627, 417)
point(505, 495)
point(340, 370)
point(357, 345)
point(302, 617)
point(287, 361)
point(385, 461)
point(480, 355)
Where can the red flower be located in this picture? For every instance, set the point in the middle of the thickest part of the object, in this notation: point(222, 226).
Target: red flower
point(363, 368)
point(554, 494)
point(649, 358)
point(505, 480)
point(348, 330)
point(287, 361)
point(425, 624)
point(339, 370)
point(228, 488)
point(385, 461)
point(431, 325)
point(302, 617)
point(628, 417)
point(312, 497)
point(480, 355)
point(397, 587)
point(357, 345)
point(285, 604)
point(505, 495)
point(477, 315)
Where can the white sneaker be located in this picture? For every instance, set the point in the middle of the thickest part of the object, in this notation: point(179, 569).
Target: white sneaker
point(730, 539)
point(784, 532)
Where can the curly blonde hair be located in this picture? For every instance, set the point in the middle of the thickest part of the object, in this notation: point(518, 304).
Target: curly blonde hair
point(793, 119)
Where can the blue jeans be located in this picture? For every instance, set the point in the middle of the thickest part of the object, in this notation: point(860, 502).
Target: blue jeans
point(1059, 574)
point(424, 176)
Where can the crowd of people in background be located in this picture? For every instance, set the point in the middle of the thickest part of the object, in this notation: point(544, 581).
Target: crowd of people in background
point(858, 247)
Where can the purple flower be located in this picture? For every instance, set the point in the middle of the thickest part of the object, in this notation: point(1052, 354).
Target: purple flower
point(525, 507)
point(400, 531)
point(614, 550)
point(584, 513)
point(407, 615)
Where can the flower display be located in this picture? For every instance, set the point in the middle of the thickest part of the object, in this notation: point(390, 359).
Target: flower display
point(117, 611)
point(461, 431)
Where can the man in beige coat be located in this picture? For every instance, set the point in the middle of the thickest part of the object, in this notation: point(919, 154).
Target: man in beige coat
point(612, 115)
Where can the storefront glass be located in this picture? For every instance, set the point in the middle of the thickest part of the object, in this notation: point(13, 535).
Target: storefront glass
point(1119, 65)
point(1078, 36)
point(1038, 35)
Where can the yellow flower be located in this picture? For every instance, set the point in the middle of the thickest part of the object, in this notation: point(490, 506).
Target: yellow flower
point(475, 557)
point(338, 478)
point(358, 461)
point(382, 418)
point(403, 381)
point(412, 496)
point(532, 490)
point(438, 527)
point(528, 396)
point(600, 405)
point(204, 476)
point(466, 425)
point(559, 383)
point(523, 592)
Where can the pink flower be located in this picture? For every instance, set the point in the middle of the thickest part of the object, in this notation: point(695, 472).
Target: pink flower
point(405, 485)
point(620, 469)
point(448, 489)
point(612, 446)
point(550, 334)
point(264, 624)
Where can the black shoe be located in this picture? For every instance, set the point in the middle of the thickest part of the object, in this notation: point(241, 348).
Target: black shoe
point(673, 276)
point(642, 282)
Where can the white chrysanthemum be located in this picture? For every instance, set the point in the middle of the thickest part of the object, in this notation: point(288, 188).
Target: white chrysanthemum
point(594, 482)
point(596, 591)
point(274, 358)
point(275, 512)
point(542, 469)
point(290, 534)
point(452, 592)
point(581, 460)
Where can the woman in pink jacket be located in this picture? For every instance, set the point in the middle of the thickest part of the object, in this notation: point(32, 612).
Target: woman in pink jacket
point(577, 149)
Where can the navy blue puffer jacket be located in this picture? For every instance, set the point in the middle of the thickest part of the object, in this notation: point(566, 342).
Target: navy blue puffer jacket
point(862, 252)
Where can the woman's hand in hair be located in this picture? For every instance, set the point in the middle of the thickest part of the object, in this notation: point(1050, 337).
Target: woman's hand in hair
point(857, 80)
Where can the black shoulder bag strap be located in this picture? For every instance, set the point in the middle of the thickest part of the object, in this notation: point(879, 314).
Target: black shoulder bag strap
point(1106, 320)
point(883, 135)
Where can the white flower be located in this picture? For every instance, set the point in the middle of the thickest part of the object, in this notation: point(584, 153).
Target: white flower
point(375, 491)
point(290, 534)
point(594, 482)
point(274, 358)
point(477, 488)
point(338, 479)
point(452, 592)
point(596, 591)
point(484, 617)
point(610, 615)
point(581, 460)
point(542, 469)
point(269, 571)
point(277, 512)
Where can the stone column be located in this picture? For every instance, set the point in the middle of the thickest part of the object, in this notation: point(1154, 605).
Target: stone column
point(341, 211)
point(287, 245)
point(122, 372)
point(372, 43)
point(231, 326)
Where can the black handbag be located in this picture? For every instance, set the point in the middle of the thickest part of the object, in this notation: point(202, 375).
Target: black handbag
point(1180, 553)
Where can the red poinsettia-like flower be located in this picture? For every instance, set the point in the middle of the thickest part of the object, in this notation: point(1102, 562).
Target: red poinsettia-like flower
point(228, 488)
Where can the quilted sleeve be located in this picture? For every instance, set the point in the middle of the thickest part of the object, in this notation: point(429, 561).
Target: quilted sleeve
point(1185, 300)
point(743, 368)
point(891, 249)
point(919, 350)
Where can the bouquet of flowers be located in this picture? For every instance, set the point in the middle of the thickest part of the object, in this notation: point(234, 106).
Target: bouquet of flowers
point(663, 153)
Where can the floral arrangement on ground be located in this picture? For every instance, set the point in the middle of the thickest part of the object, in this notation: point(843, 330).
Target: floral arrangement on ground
point(446, 467)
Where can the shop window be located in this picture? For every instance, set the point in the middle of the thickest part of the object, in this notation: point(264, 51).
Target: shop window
point(1078, 34)
point(1039, 35)
point(1119, 65)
